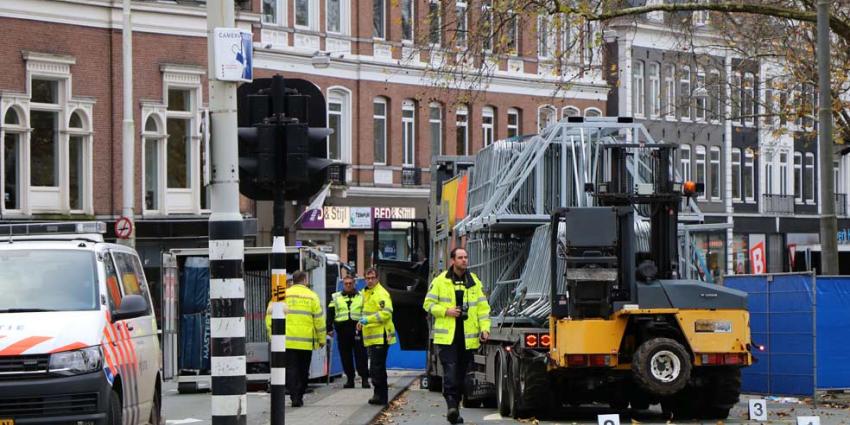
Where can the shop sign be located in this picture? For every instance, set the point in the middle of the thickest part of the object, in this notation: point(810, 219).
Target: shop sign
point(758, 258)
point(844, 236)
point(334, 217)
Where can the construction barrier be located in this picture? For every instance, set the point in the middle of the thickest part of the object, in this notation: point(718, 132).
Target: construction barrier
point(802, 321)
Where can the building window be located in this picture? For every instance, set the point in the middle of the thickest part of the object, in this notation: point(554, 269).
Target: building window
point(736, 99)
point(179, 129)
point(809, 179)
point(435, 124)
point(588, 42)
point(654, 94)
point(270, 11)
point(736, 174)
point(336, 14)
point(488, 115)
point(303, 13)
point(545, 36)
point(749, 104)
point(379, 125)
point(700, 172)
point(685, 93)
point(592, 112)
point(749, 176)
point(407, 20)
point(513, 122)
point(435, 23)
point(12, 151)
point(740, 254)
point(339, 119)
point(462, 131)
point(638, 99)
point(670, 91)
point(783, 173)
point(685, 162)
point(798, 177)
point(512, 42)
point(701, 94)
point(715, 173)
point(408, 132)
point(44, 139)
point(768, 176)
point(78, 145)
point(378, 21)
point(461, 23)
point(546, 116)
point(715, 94)
point(570, 111)
point(488, 25)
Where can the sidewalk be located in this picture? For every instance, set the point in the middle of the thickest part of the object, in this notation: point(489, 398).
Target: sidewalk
point(324, 405)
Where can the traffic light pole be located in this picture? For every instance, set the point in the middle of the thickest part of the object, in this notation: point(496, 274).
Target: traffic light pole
point(226, 244)
point(278, 337)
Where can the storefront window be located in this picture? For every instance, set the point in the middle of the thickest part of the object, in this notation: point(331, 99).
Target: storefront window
point(740, 254)
point(710, 255)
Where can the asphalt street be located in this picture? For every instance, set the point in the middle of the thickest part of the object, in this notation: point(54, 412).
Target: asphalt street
point(422, 407)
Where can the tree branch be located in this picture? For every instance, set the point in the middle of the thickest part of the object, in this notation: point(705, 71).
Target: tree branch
point(838, 26)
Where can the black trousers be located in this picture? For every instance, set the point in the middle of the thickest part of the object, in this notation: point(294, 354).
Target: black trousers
point(351, 349)
point(297, 372)
point(456, 361)
point(378, 370)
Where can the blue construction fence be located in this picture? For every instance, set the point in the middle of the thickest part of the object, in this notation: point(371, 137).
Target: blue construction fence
point(396, 357)
point(803, 322)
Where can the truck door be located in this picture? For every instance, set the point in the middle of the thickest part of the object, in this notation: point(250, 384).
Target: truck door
point(169, 315)
point(401, 255)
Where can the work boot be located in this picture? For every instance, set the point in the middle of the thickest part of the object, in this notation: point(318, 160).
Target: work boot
point(377, 401)
point(297, 403)
point(365, 383)
point(349, 383)
point(453, 416)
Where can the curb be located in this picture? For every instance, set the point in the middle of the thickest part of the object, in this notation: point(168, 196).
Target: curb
point(368, 417)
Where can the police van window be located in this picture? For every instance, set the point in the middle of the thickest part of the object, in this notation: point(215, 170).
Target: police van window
point(112, 284)
point(132, 277)
point(47, 280)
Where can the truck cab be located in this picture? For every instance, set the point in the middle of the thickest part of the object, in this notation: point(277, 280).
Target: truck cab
point(78, 337)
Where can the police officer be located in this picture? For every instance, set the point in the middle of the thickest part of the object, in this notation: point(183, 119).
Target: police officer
point(305, 332)
point(462, 321)
point(344, 311)
point(378, 333)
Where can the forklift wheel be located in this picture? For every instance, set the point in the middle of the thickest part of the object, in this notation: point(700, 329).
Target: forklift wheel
point(662, 366)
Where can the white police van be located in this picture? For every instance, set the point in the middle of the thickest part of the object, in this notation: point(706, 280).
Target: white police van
point(78, 337)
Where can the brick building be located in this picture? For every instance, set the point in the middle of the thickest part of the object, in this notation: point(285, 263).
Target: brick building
point(61, 109)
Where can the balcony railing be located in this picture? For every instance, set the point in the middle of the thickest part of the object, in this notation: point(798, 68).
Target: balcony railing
point(411, 176)
point(841, 204)
point(336, 173)
point(778, 204)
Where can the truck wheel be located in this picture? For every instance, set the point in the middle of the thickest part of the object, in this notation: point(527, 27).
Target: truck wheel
point(114, 416)
point(722, 393)
point(661, 366)
point(471, 404)
point(503, 390)
point(187, 387)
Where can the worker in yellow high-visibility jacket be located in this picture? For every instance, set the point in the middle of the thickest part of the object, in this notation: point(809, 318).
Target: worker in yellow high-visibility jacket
point(378, 334)
point(462, 321)
point(305, 332)
point(347, 308)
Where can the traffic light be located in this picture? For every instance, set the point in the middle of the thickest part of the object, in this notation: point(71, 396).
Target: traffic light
point(282, 138)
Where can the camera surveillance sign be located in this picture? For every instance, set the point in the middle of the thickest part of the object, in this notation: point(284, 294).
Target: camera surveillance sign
point(234, 54)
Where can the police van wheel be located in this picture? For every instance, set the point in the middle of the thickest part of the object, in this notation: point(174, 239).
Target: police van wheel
point(156, 409)
point(114, 415)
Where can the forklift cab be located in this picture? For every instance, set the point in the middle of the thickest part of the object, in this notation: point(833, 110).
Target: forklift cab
point(401, 256)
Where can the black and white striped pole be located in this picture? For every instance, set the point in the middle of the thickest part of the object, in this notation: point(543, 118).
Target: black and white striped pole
point(278, 338)
point(226, 246)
